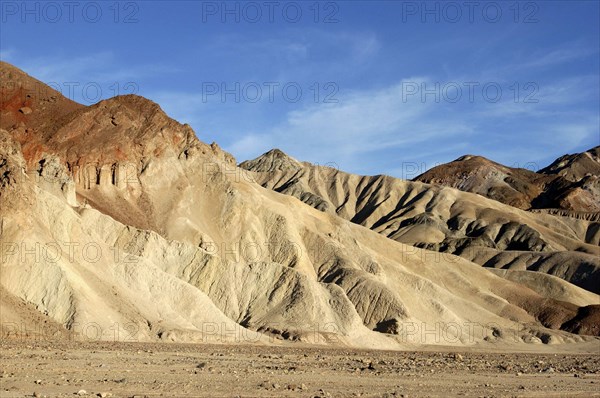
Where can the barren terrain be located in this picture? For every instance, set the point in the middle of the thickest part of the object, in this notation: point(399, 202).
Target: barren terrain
point(177, 370)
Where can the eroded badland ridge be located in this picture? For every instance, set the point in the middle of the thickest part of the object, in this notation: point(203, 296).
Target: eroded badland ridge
point(115, 214)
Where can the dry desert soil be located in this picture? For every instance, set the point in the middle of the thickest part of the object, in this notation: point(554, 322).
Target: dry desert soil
point(117, 369)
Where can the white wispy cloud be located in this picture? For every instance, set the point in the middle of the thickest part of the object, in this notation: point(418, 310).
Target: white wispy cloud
point(61, 68)
point(364, 122)
point(296, 54)
point(524, 63)
point(370, 123)
point(557, 56)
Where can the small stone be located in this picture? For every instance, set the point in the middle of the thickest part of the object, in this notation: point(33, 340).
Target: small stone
point(38, 382)
point(104, 394)
point(81, 393)
point(36, 394)
point(276, 386)
point(25, 110)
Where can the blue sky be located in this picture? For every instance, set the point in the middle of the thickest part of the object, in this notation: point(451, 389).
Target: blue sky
point(372, 87)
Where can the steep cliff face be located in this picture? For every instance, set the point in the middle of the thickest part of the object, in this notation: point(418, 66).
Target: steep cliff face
point(110, 146)
point(139, 229)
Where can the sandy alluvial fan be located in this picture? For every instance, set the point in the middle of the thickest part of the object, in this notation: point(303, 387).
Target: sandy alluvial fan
point(116, 216)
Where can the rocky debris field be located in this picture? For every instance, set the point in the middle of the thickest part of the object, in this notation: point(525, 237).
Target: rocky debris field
point(105, 369)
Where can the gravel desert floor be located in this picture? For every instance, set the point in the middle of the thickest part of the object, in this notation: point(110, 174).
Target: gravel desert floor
point(101, 369)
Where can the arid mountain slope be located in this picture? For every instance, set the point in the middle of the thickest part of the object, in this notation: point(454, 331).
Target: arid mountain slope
point(576, 166)
point(119, 217)
point(571, 183)
point(29, 107)
point(442, 219)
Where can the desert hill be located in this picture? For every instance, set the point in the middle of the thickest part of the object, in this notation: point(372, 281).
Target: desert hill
point(576, 166)
point(118, 221)
point(29, 107)
point(571, 183)
point(443, 219)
